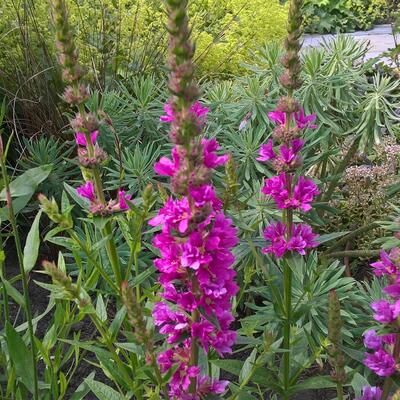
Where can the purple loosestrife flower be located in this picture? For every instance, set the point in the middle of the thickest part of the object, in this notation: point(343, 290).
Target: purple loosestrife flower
point(385, 313)
point(87, 191)
point(302, 121)
point(267, 152)
point(196, 109)
point(386, 264)
point(196, 239)
point(303, 238)
point(370, 393)
point(383, 360)
point(303, 193)
point(196, 274)
point(380, 362)
point(123, 198)
point(372, 340)
point(80, 138)
point(288, 192)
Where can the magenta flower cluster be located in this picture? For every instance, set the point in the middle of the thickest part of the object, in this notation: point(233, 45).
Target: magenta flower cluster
point(87, 190)
point(196, 272)
point(381, 358)
point(287, 191)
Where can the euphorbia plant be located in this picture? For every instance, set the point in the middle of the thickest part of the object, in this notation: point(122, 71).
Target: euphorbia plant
point(196, 240)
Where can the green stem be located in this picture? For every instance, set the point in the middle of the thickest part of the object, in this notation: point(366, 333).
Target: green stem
point(5, 294)
point(137, 287)
point(388, 381)
point(353, 234)
point(112, 253)
point(194, 355)
point(28, 310)
point(386, 388)
point(103, 332)
point(354, 253)
point(339, 390)
point(287, 282)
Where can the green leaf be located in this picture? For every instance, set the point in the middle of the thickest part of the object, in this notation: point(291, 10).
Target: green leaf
point(14, 293)
point(358, 383)
point(102, 391)
point(26, 184)
point(330, 236)
point(248, 366)
point(138, 280)
point(84, 203)
point(101, 308)
point(83, 389)
point(31, 249)
point(117, 322)
point(313, 383)
point(21, 356)
point(354, 354)
point(18, 205)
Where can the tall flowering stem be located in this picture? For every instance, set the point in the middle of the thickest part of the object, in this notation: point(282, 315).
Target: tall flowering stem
point(196, 239)
point(290, 191)
point(86, 128)
point(383, 353)
point(24, 278)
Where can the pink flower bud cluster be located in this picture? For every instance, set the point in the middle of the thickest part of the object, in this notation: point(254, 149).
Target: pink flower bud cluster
point(87, 191)
point(285, 189)
point(381, 358)
point(195, 266)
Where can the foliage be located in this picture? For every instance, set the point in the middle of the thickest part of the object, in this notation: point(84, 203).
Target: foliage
point(93, 316)
point(325, 16)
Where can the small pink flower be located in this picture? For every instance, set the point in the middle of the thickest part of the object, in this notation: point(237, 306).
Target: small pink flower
point(122, 200)
point(301, 120)
point(385, 265)
point(169, 113)
point(372, 340)
point(275, 234)
point(305, 121)
point(278, 117)
point(211, 159)
point(80, 138)
point(196, 109)
point(304, 193)
point(267, 152)
point(87, 191)
point(380, 362)
point(385, 313)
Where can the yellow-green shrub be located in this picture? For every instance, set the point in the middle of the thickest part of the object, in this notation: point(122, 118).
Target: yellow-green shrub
point(226, 31)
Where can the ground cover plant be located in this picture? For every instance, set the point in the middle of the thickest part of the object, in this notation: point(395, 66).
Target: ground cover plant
point(188, 238)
